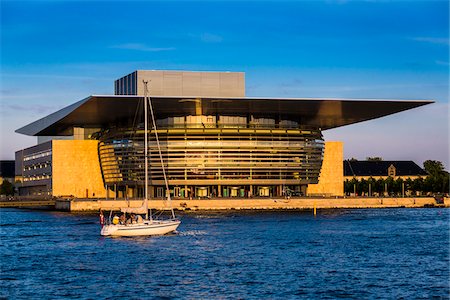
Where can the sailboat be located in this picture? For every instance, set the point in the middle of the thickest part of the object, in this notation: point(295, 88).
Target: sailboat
point(147, 226)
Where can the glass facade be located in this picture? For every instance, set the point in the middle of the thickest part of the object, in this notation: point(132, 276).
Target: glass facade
point(126, 85)
point(215, 156)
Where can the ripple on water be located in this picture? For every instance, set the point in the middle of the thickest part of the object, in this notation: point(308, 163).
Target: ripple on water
point(398, 253)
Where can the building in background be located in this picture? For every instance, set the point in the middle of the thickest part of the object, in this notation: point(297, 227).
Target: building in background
point(7, 171)
point(215, 141)
point(382, 169)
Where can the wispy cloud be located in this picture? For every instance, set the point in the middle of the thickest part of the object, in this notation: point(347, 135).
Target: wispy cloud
point(37, 108)
point(432, 40)
point(338, 90)
point(442, 63)
point(211, 38)
point(206, 37)
point(53, 76)
point(141, 47)
point(293, 83)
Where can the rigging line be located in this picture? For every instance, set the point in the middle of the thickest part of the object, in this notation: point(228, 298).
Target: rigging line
point(351, 169)
point(134, 128)
point(146, 150)
point(159, 148)
point(129, 137)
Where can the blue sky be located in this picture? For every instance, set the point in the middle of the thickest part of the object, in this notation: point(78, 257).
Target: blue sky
point(54, 53)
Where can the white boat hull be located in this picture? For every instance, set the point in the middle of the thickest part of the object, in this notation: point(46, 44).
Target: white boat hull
point(148, 228)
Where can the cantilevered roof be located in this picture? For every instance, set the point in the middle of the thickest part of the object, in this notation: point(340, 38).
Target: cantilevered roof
point(100, 111)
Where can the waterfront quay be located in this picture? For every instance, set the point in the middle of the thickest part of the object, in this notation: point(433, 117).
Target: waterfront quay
point(251, 204)
point(303, 203)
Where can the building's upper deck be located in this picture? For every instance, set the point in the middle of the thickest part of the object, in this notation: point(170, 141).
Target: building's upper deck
point(215, 94)
point(101, 111)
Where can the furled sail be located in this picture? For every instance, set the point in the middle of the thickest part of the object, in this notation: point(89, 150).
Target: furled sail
point(134, 210)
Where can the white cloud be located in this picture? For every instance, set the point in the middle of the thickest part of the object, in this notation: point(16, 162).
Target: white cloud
point(36, 108)
point(433, 40)
point(211, 38)
point(206, 37)
point(51, 76)
point(442, 63)
point(141, 47)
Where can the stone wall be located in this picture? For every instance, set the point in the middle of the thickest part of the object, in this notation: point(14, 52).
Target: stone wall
point(76, 169)
point(262, 204)
point(331, 179)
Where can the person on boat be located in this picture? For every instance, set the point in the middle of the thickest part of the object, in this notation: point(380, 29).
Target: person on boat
point(139, 219)
point(122, 219)
point(131, 220)
point(115, 220)
point(102, 219)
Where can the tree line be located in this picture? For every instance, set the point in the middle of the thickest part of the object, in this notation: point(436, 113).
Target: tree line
point(436, 182)
point(6, 188)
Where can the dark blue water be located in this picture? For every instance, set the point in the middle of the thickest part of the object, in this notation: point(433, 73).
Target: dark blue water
point(384, 253)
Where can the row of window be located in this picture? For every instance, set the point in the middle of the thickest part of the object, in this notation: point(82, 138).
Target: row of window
point(37, 155)
point(37, 166)
point(37, 177)
point(223, 121)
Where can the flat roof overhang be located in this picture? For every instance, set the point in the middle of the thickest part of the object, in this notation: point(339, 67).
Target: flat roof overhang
point(100, 111)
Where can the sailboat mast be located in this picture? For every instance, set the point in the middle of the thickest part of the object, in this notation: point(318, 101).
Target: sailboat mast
point(160, 157)
point(146, 151)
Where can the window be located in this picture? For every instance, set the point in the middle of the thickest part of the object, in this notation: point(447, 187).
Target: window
point(391, 171)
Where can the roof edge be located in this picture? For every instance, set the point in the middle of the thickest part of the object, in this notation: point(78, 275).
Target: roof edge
point(32, 129)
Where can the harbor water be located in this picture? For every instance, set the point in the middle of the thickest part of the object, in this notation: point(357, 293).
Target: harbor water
point(356, 254)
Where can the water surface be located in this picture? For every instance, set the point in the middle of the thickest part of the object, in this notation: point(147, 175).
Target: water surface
point(358, 254)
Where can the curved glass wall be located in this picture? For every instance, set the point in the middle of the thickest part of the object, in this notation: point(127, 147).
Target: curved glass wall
point(210, 151)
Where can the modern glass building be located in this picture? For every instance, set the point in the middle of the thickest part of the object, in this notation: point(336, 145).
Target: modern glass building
point(215, 141)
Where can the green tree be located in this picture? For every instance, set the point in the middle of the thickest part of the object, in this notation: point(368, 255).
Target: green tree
point(362, 187)
point(349, 186)
point(398, 183)
point(6, 188)
point(372, 183)
point(438, 179)
point(389, 182)
point(379, 186)
point(433, 167)
point(418, 185)
point(409, 185)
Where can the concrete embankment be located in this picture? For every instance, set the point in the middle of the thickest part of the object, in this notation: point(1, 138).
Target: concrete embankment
point(29, 203)
point(251, 204)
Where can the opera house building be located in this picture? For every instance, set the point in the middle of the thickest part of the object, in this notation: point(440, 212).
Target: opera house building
point(215, 141)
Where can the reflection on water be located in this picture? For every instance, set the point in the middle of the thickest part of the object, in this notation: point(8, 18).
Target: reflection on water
point(387, 253)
